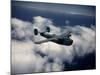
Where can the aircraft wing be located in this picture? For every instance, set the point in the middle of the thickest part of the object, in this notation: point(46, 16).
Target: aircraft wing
point(46, 40)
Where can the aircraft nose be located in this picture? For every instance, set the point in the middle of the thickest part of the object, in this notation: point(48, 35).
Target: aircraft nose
point(68, 42)
point(71, 41)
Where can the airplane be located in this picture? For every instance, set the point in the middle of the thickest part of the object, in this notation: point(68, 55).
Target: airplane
point(62, 39)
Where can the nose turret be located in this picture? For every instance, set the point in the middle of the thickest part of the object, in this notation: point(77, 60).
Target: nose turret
point(71, 42)
point(68, 42)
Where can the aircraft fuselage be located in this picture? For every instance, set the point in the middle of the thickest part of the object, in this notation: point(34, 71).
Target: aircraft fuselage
point(60, 40)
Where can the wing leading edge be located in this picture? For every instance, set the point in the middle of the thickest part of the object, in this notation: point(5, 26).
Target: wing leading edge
point(46, 40)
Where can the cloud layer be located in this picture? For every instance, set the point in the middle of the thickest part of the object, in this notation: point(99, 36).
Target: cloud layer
point(28, 57)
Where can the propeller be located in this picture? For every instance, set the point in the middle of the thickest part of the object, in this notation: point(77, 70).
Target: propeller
point(47, 29)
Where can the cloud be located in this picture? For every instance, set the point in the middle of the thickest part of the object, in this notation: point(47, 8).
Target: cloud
point(21, 29)
point(28, 57)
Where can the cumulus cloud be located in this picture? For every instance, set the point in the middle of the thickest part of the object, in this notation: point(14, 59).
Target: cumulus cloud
point(28, 57)
point(20, 29)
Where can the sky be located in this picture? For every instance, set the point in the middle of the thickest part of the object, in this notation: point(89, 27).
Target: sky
point(59, 13)
point(28, 57)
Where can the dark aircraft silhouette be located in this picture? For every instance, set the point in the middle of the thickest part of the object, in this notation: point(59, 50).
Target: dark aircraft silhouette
point(63, 39)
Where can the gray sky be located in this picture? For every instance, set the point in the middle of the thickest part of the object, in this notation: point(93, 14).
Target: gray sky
point(60, 8)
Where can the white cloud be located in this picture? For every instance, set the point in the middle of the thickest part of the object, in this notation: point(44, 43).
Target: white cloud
point(21, 29)
point(25, 56)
